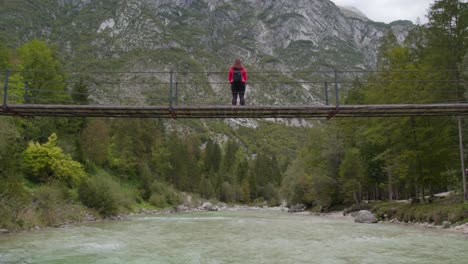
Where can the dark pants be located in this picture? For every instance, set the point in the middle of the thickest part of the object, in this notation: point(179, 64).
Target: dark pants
point(238, 89)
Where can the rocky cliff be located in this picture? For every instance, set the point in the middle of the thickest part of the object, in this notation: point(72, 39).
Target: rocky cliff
point(202, 35)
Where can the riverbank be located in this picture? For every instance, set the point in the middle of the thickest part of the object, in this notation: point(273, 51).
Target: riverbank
point(462, 228)
point(208, 207)
point(448, 209)
point(455, 228)
point(386, 212)
point(187, 207)
point(447, 212)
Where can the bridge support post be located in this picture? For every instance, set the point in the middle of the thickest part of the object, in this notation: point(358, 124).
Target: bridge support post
point(462, 157)
point(171, 84)
point(337, 89)
point(326, 93)
point(5, 89)
point(170, 88)
point(176, 92)
point(337, 98)
point(26, 90)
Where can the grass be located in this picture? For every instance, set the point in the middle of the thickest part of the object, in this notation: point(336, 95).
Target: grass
point(451, 209)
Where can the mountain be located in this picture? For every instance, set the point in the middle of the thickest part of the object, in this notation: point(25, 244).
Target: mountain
point(198, 36)
point(352, 12)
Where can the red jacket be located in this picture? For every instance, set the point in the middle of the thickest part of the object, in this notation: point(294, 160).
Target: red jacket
point(231, 73)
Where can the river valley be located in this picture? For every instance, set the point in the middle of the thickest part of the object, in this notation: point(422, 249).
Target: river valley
point(234, 237)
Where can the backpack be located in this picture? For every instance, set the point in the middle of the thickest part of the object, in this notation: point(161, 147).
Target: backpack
point(237, 75)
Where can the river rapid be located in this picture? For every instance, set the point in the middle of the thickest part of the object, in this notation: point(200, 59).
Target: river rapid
point(234, 237)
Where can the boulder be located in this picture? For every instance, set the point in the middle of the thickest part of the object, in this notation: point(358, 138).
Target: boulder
point(354, 214)
point(446, 224)
point(222, 206)
point(366, 217)
point(169, 211)
point(89, 218)
point(207, 206)
point(465, 229)
point(297, 208)
point(356, 208)
point(182, 208)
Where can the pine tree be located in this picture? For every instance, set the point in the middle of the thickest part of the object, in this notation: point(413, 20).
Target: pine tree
point(4, 57)
point(388, 43)
point(246, 191)
point(229, 156)
point(447, 34)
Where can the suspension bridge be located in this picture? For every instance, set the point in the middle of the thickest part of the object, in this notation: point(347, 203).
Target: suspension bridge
point(31, 97)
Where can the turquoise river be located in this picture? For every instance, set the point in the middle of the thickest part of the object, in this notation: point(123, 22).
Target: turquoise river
point(234, 237)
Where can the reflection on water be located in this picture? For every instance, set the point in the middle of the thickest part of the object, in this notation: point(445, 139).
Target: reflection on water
point(235, 237)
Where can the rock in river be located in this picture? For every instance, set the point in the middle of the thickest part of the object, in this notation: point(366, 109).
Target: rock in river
point(365, 216)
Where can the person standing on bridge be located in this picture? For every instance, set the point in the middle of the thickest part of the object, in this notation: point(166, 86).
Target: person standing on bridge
point(237, 76)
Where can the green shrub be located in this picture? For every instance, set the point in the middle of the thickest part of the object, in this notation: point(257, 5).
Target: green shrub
point(47, 163)
point(269, 59)
point(48, 202)
point(14, 202)
point(273, 202)
point(158, 200)
point(163, 195)
point(102, 193)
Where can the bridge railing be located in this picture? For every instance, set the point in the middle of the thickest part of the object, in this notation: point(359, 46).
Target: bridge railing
point(325, 87)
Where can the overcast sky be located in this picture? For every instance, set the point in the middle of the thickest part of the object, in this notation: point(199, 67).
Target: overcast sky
point(390, 10)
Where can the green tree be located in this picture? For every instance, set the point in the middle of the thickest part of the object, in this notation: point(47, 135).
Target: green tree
point(447, 34)
point(447, 44)
point(95, 141)
point(311, 178)
point(80, 93)
point(206, 189)
point(245, 191)
point(240, 166)
point(406, 155)
point(4, 57)
point(227, 193)
point(387, 44)
point(9, 136)
point(229, 156)
point(212, 156)
point(47, 163)
point(353, 175)
point(42, 70)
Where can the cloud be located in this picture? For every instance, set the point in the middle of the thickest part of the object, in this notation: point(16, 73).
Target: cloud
point(390, 10)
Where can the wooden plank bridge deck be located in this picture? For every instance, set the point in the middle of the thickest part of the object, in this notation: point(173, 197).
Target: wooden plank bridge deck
point(227, 111)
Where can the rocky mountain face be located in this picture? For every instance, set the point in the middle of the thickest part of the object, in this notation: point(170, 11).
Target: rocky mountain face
point(353, 12)
point(202, 35)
